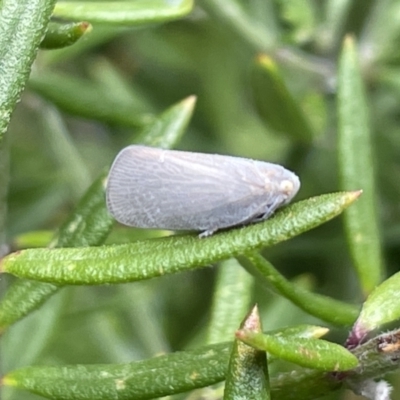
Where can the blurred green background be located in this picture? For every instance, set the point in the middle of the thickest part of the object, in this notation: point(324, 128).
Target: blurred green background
point(56, 152)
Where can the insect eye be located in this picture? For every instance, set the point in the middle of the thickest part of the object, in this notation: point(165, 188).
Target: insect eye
point(286, 186)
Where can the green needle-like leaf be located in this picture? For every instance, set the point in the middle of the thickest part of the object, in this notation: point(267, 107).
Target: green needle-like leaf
point(296, 331)
point(232, 296)
point(22, 298)
point(247, 375)
point(130, 13)
point(323, 307)
point(85, 99)
point(275, 104)
point(382, 305)
point(90, 223)
point(310, 353)
point(22, 26)
point(169, 127)
point(147, 379)
point(63, 35)
point(151, 258)
point(356, 169)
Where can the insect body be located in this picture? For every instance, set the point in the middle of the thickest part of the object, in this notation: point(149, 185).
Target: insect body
point(177, 190)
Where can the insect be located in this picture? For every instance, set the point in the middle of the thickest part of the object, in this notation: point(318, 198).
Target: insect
point(167, 189)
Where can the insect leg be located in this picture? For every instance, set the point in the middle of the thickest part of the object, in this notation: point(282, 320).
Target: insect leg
point(208, 232)
point(269, 211)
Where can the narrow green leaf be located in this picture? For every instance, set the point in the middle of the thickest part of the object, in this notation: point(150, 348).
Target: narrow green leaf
point(298, 331)
point(160, 376)
point(97, 37)
point(22, 26)
point(382, 305)
point(16, 351)
point(247, 375)
point(150, 258)
point(356, 169)
point(130, 13)
point(232, 296)
point(169, 127)
point(22, 298)
point(323, 307)
point(310, 353)
point(63, 35)
point(85, 99)
point(110, 77)
point(90, 223)
point(276, 106)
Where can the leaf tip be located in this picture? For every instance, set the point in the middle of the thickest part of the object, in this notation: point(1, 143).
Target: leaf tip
point(265, 61)
point(190, 101)
point(104, 182)
point(348, 41)
point(320, 331)
point(252, 320)
point(353, 195)
point(10, 257)
point(85, 27)
point(7, 380)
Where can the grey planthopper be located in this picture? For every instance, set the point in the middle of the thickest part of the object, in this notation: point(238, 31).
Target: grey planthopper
point(177, 190)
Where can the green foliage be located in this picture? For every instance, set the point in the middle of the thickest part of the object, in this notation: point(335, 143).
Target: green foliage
point(63, 35)
point(310, 353)
point(247, 375)
point(311, 85)
point(355, 139)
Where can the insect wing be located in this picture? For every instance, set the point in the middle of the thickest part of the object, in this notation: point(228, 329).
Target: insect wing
point(154, 188)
